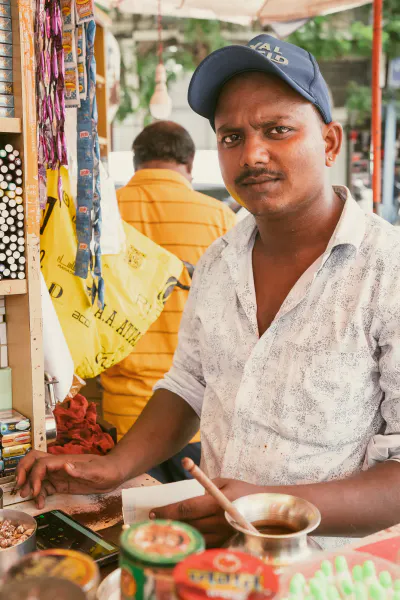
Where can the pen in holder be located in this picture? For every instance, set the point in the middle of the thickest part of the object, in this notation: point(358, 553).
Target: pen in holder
point(51, 426)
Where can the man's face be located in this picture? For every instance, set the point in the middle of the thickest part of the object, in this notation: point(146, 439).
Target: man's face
point(271, 144)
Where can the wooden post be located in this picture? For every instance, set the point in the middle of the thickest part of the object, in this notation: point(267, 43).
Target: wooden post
point(376, 133)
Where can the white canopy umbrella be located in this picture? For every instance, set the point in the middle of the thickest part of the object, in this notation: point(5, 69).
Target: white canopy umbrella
point(238, 11)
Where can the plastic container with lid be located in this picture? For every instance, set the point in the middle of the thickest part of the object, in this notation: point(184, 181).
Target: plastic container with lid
point(339, 565)
point(222, 574)
point(67, 564)
point(149, 552)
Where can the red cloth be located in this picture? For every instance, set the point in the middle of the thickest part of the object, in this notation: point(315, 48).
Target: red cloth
point(77, 430)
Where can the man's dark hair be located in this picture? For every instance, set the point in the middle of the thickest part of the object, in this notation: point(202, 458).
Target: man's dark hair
point(163, 140)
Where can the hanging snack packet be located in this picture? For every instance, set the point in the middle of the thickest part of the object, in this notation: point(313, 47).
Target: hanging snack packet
point(84, 11)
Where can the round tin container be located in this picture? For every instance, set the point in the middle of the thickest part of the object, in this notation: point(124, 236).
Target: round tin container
point(10, 556)
point(222, 574)
point(42, 588)
point(67, 564)
point(149, 552)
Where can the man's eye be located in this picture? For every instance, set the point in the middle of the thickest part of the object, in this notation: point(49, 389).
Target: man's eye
point(280, 130)
point(230, 139)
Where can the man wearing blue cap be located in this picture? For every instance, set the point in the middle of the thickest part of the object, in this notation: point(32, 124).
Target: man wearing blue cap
point(289, 348)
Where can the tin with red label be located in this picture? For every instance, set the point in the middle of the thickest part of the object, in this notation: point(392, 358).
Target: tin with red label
point(222, 574)
point(149, 552)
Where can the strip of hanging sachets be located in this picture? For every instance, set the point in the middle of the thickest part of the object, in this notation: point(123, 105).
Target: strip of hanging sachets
point(81, 54)
point(97, 211)
point(88, 216)
point(72, 98)
point(85, 185)
point(50, 78)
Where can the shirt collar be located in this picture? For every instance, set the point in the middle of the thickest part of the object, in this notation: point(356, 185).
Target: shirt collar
point(158, 176)
point(350, 229)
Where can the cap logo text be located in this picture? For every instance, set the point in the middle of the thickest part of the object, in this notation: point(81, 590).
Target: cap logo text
point(275, 55)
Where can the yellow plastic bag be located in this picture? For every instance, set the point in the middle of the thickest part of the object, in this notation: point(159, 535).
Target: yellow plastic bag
point(137, 284)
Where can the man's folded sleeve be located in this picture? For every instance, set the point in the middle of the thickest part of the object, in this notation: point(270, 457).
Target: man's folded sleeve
point(386, 445)
point(185, 377)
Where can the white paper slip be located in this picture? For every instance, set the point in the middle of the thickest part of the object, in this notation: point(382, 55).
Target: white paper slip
point(58, 361)
point(138, 502)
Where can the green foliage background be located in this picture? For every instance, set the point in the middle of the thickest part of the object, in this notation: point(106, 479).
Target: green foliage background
point(201, 37)
point(321, 36)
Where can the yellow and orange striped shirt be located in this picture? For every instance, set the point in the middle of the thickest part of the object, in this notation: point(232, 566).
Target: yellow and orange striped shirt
point(162, 205)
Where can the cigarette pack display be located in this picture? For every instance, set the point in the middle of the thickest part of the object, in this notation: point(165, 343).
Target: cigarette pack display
point(6, 76)
point(5, 24)
point(14, 439)
point(5, 11)
point(6, 50)
point(6, 88)
point(8, 472)
point(12, 461)
point(12, 421)
point(12, 259)
point(6, 112)
point(18, 450)
point(6, 100)
point(5, 62)
point(5, 37)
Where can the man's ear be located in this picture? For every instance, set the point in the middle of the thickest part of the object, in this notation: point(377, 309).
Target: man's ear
point(333, 135)
point(189, 165)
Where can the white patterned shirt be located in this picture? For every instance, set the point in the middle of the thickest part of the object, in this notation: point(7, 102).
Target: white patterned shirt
point(317, 397)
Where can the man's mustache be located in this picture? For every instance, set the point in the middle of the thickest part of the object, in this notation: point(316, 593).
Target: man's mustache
point(249, 173)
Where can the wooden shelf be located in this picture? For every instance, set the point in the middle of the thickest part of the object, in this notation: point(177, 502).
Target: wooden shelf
point(10, 125)
point(10, 287)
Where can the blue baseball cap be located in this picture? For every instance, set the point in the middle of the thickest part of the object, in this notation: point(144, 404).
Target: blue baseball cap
point(297, 67)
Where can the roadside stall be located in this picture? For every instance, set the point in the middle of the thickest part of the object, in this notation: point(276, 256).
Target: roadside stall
point(53, 115)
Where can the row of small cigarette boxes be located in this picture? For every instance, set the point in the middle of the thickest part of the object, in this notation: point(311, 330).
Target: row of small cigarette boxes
point(15, 439)
point(6, 61)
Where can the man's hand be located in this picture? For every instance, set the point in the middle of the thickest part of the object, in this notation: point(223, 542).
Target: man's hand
point(42, 475)
point(205, 513)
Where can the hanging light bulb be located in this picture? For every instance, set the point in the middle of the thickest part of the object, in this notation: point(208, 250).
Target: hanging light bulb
point(160, 103)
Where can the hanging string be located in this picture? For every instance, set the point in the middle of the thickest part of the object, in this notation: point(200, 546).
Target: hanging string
point(159, 29)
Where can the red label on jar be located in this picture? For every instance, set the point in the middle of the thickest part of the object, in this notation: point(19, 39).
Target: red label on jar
point(222, 574)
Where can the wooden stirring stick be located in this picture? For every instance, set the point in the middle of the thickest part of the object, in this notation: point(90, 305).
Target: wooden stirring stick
point(212, 489)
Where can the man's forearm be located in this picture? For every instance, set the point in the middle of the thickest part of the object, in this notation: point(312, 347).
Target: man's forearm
point(165, 426)
point(356, 506)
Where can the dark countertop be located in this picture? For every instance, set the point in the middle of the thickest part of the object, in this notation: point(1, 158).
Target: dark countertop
point(101, 513)
point(111, 534)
